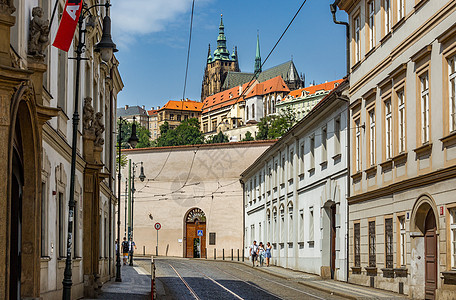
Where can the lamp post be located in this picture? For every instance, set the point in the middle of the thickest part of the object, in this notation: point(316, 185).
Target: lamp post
point(119, 177)
point(106, 47)
point(142, 177)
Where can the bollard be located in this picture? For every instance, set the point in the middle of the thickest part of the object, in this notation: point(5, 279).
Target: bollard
point(152, 278)
point(223, 253)
point(156, 250)
point(144, 250)
point(205, 253)
point(231, 254)
point(238, 254)
point(242, 256)
point(215, 252)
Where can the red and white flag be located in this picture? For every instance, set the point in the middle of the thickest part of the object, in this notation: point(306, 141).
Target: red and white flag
point(68, 24)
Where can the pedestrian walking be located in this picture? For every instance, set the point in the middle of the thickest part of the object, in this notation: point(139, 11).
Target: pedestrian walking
point(254, 252)
point(125, 250)
point(261, 252)
point(267, 254)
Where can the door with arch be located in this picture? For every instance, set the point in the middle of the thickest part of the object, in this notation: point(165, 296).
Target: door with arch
point(430, 255)
point(195, 234)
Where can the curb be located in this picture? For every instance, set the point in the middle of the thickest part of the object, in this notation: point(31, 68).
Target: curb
point(337, 293)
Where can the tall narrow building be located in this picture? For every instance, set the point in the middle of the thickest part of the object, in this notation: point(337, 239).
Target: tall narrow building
point(218, 65)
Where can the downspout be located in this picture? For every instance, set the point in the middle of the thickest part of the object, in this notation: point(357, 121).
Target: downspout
point(333, 8)
point(243, 219)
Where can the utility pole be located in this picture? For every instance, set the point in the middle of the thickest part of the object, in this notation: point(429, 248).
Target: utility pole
point(129, 199)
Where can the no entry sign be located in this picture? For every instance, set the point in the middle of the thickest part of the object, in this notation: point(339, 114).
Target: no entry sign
point(157, 226)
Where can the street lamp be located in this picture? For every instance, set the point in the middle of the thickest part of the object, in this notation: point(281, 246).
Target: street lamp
point(142, 177)
point(119, 178)
point(133, 140)
point(107, 48)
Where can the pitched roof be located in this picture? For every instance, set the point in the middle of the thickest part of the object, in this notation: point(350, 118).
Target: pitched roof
point(225, 98)
point(236, 79)
point(327, 86)
point(275, 84)
point(188, 105)
point(152, 112)
point(130, 111)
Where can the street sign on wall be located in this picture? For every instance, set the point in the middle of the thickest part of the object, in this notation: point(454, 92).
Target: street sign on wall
point(200, 233)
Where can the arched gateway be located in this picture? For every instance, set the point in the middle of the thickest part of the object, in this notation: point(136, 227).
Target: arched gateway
point(195, 234)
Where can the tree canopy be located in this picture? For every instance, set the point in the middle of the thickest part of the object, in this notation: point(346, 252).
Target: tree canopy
point(274, 126)
point(186, 133)
point(141, 132)
point(218, 138)
point(248, 137)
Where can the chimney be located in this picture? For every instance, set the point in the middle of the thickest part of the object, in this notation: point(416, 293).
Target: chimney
point(152, 108)
point(126, 107)
point(144, 107)
point(240, 89)
point(158, 107)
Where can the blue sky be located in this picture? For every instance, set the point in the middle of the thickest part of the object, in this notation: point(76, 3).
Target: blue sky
point(152, 37)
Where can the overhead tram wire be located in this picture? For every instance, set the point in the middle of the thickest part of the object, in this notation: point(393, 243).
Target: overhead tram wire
point(188, 53)
point(272, 50)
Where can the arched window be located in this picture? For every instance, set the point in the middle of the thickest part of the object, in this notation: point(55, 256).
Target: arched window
point(246, 112)
point(253, 111)
point(275, 228)
point(282, 223)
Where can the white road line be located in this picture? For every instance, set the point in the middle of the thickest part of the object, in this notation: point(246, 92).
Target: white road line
point(292, 288)
point(141, 271)
point(186, 284)
point(223, 287)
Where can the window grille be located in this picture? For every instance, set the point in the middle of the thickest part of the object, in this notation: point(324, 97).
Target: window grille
point(371, 24)
point(211, 238)
point(357, 245)
point(389, 242)
point(372, 255)
point(358, 146)
point(372, 136)
point(401, 107)
point(357, 41)
point(387, 12)
point(388, 130)
point(424, 108)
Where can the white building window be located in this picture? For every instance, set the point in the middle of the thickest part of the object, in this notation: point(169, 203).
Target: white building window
point(282, 222)
point(312, 152)
point(290, 165)
point(372, 136)
point(290, 222)
point(252, 233)
point(401, 112)
point(324, 138)
point(424, 108)
point(358, 146)
point(400, 9)
point(337, 136)
point(403, 241)
point(387, 15)
point(283, 174)
point(301, 158)
point(452, 84)
point(453, 237)
point(311, 224)
point(388, 130)
point(357, 39)
point(371, 21)
point(301, 225)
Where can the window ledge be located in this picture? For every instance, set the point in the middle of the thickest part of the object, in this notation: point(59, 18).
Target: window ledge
point(355, 66)
point(419, 4)
point(400, 272)
point(371, 271)
point(356, 270)
point(45, 258)
point(386, 38)
point(388, 272)
point(400, 158)
point(311, 170)
point(371, 171)
point(449, 277)
point(387, 164)
point(424, 149)
point(398, 24)
point(324, 163)
point(357, 176)
point(370, 52)
point(449, 140)
point(337, 156)
point(311, 243)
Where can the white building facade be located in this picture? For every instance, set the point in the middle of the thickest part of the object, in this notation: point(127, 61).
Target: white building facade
point(295, 193)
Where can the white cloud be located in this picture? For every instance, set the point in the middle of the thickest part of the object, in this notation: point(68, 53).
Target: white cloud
point(133, 18)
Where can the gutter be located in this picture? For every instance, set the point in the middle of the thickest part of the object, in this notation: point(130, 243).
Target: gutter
point(333, 8)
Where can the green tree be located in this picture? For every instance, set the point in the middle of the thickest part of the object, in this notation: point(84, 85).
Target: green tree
point(187, 133)
point(218, 138)
point(274, 126)
point(141, 132)
point(248, 137)
point(123, 159)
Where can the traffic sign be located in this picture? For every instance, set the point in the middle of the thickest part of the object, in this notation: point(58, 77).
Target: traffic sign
point(157, 226)
point(200, 233)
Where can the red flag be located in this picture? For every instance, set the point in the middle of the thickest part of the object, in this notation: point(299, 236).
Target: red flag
point(68, 24)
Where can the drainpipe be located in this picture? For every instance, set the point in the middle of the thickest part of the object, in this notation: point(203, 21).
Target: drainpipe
point(243, 219)
point(333, 8)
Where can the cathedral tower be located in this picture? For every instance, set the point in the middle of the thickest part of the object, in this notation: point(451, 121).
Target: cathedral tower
point(218, 65)
point(257, 68)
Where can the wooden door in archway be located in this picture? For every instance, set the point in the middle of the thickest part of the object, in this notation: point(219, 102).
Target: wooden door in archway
point(195, 234)
point(430, 254)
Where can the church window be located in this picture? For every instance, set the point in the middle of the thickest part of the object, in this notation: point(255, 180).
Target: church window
point(253, 111)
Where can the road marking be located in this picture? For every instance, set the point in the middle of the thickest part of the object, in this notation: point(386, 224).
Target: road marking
point(223, 287)
point(186, 284)
point(292, 288)
point(141, 271)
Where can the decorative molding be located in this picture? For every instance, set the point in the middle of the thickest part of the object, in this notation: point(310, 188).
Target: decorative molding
point(424, 149)
point(400, 158)
point(449, 140)
point(371, 171)
point(426, 50)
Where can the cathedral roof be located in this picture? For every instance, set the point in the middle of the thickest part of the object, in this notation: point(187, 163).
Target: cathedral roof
point(187, 105)
point(225, 98)
point(327, 86)
point(275, 84)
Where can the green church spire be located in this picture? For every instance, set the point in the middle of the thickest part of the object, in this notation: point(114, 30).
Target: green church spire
point(258, 56)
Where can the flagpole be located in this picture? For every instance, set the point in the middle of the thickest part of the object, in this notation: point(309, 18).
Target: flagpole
point(53, 13)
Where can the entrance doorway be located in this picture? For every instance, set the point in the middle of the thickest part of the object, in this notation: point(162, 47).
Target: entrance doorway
point(195, 234)
point(333, 241)
point(430, 254)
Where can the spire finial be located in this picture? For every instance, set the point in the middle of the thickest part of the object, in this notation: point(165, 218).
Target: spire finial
point(257, 55)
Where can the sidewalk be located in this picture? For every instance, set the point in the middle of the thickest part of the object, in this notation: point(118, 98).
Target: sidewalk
point(135, 284)
point(339, 288)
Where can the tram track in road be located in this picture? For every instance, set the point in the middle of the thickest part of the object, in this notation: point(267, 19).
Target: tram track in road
point(186, 284)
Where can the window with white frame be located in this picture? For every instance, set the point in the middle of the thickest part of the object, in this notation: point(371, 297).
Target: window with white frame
point(301, 158)
point(402, 241)
point(452, 85)
point(453, 237)
point(400, 9)
point(324, 138)
point(357, 34)
point(371, 22)
point(283, 174)
point(401, 113)
point(290, 222)
point(311, 223)
point(252, 233)
point(274, 217)
point(387, 15)
point(254, 188)
point(312, 152)
point(282, 222)
point(276, 170)
point(372, 136)
point(290, 165)
point(424, 79)
point(337, 135)
point(358, 146)
point(388, 130)
point(301, 225)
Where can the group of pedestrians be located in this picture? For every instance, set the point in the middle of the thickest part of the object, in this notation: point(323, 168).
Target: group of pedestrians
point(260, 252)
point(127, 248)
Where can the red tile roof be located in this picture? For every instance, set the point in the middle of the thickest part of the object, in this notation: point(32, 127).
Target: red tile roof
point(188, 105)
point(327, 86)
point(152, 112)
point(272, 85)
point(225, 98)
